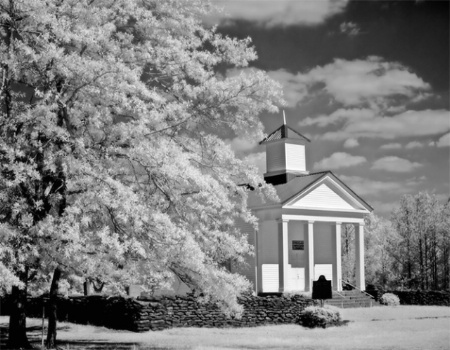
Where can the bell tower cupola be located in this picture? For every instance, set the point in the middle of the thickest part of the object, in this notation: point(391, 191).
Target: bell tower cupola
point(285, 154)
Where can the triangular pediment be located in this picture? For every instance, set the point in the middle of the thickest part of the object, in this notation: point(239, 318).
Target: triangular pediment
point(326, 194)
point(317, 191)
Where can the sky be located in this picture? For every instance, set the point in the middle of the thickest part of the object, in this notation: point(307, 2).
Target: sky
point(366, 81)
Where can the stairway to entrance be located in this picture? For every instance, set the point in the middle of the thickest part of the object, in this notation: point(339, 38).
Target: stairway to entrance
point(351, 299)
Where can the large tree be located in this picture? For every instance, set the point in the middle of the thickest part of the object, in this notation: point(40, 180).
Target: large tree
point(111, 151)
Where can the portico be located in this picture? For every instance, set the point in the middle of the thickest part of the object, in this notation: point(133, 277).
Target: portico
point(325, 259)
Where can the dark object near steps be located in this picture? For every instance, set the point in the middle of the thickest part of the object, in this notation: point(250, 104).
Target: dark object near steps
point(351, 299)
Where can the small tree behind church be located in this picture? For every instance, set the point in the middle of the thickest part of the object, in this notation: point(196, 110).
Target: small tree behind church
point(111, 159)
point(348, 253)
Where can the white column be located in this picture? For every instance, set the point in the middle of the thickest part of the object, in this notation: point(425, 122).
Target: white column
point(283, 255)
point(359, 251)
point(338, 263)
point(258, 287)
point(310, 256)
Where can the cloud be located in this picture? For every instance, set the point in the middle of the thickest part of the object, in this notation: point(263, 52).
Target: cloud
point(408, 124)
point(383, 208)
point(351, 143)
point(294, 86)
point(339, 116)
point(414, 144)
point(363, 186)
point(339, 160)
point(444, 141)
point(258, 160)
point(395, 164)
point(270, 13)
point(371, 81)
point(375, 188)
point(242, 144)
point(365, 122)
point(349, 28)
point(396, 109)
point(391, 146)
point(358, 81)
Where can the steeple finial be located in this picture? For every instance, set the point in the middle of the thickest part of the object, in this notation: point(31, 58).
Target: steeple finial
point(284, 118)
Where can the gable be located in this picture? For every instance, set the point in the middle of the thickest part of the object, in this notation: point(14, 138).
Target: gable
point(323, 197)
point(326, 194)
point(335, 195)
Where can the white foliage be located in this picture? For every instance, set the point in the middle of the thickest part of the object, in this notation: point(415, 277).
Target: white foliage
point(111, 153)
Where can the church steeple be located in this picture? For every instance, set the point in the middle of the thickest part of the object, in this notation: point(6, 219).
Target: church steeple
point(285, 154)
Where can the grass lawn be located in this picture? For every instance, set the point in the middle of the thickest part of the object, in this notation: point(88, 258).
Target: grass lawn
point(401, 327)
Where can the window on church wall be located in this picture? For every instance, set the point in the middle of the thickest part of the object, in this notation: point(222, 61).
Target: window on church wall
point(298, 245)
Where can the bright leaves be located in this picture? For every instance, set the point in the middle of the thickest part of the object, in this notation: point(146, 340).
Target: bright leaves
point(110, 144)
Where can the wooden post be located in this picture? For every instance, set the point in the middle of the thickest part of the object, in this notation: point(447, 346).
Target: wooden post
point(310, 252)
point(359, 251)
point(338, 262)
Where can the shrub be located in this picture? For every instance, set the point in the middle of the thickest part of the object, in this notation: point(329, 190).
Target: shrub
point(314, 316)
point(389, 299)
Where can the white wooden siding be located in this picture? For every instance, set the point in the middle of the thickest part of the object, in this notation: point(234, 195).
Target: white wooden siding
point(270, 281)
point(323, 269)
point(268, 242)
point(295, 157)
point(275, 157)
point(323, 197)
point(296, 231)
point(324, 245)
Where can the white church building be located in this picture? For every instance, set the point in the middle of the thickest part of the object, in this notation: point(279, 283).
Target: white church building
point(299, 237)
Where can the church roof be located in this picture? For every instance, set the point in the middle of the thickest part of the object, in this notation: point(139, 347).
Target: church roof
point(297, 185)
point(302, 183)
point(284, 132)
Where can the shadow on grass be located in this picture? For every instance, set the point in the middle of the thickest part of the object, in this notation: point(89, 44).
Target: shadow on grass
point(411, 318)
point(34, 334)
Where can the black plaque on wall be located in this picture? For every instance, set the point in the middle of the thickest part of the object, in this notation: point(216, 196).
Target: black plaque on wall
point(298, 245)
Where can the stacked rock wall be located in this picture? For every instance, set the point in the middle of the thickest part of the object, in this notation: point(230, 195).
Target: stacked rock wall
point(187, 312)
point(159, 313)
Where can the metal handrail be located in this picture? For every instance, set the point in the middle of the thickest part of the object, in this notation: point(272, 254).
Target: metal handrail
point(347, 282)
point(341, 295)
point(337, 292)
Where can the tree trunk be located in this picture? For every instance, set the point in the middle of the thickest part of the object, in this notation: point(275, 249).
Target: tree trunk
point(17, 338)
point(421, 264)
point(52, 310)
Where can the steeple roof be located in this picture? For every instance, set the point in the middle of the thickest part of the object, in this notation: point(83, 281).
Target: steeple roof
point(284, 132)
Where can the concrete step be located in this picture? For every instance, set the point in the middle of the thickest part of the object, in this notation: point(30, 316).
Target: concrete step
point(355, 297)
point(351, 305)
point(348, 299)
point(350, 292)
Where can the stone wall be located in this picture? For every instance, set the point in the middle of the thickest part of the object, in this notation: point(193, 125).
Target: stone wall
point(159, 313)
